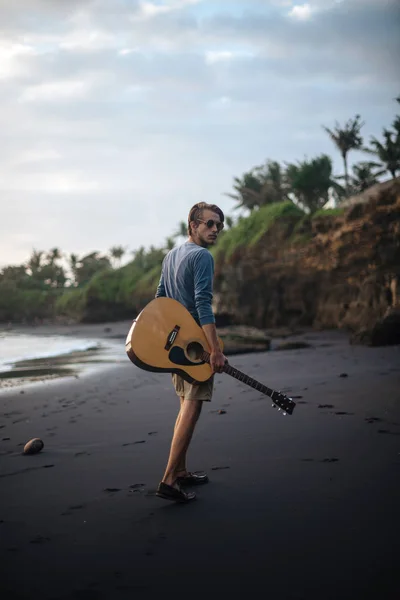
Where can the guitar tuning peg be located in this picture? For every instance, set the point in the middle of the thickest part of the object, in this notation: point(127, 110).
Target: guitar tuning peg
point(273, 405)
point(284, 414)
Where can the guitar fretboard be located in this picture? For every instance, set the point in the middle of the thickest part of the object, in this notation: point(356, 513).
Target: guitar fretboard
point(243, 377)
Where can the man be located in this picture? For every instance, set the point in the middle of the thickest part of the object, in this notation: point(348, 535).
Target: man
point(187, 276)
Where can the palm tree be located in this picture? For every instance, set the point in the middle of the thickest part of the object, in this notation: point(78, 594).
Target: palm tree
point(53, 255)
point(89, 265)
point(346, 139)
point(388, 151)
point(182, 230)
point(116, 253)
point(35, 263)
point(73, 263)
point(228, 222)
point(311, 181)
point(169, 244)
point(272, 178)
point(247, 190)
point(363, 176)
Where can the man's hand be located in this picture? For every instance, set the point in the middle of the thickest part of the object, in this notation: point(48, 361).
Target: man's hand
point(217, 361)
point(217, 358)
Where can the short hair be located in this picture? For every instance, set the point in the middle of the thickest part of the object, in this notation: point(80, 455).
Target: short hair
point(196, 213)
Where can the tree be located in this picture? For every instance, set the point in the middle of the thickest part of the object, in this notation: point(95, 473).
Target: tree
point(247, 190)
point(89, 265)
point(363, 176)
point(53, 255)
point(35, 262)
point(73, 265)
point(182, 230)
point(169, 244)
point(310, 181)
point(346, 139)
point(116, 254)
point(388, 151)
point(262, 185)
point(228, 222)
point(274, 188)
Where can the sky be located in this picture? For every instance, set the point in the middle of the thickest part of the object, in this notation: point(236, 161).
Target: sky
point(116, 116)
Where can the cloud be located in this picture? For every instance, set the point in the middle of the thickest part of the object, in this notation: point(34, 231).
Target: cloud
point(301, 12)
point(113, 110)
point(55, 91)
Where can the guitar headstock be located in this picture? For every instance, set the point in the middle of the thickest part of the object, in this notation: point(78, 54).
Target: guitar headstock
point(283, 403)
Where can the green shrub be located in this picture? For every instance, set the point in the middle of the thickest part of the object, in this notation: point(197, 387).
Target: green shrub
point(249, 230)
point(328, 212)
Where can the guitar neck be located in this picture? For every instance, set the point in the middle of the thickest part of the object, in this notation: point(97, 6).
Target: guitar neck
point(243, 377)
point(248, 380)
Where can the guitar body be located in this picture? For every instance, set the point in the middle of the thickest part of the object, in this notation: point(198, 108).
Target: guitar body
point(166, 338)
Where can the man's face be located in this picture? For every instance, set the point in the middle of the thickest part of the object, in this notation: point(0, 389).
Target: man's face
point(205, 231)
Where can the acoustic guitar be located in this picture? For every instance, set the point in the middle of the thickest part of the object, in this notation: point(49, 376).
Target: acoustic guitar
point(165, 338)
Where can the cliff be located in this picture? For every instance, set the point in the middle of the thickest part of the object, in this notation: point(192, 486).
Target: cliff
point(331, 271)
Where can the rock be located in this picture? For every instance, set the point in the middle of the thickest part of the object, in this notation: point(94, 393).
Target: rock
point(34, 446)
point(292, 346)
point(385, 332)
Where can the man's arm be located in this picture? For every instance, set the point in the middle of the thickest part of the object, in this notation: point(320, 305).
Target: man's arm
point(203, 280)
point(161, 287)
point(217, 358)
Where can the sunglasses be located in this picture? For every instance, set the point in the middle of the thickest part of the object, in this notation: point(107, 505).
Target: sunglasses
point(210, 224)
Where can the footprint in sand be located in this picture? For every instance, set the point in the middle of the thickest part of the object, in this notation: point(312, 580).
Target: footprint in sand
point(137, 488)
point(133, 443)
point(324, 460)
point(39, 539)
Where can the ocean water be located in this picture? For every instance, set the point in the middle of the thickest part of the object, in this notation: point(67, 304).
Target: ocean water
point(19, 346)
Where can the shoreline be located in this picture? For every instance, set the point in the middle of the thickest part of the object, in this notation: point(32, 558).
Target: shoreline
point(109, 347)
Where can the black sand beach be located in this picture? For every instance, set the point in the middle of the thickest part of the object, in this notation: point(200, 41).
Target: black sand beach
point(299, 507)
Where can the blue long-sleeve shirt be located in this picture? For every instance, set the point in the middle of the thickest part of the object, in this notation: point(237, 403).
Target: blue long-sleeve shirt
point(187, 276)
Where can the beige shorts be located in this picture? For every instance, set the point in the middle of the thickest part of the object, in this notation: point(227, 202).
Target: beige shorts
point(189, 391)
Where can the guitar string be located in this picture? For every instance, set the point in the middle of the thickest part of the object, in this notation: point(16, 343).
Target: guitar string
point(249, 380)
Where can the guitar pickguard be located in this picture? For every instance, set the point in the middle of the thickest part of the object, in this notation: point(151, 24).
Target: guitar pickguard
point(178, 357)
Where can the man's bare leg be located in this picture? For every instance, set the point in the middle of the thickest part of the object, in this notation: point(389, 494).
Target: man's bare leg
point(183, 432)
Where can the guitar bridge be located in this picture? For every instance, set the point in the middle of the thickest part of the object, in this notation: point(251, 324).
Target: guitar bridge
point(171, 337)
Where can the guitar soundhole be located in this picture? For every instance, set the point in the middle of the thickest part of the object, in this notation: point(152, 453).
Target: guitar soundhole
point(194, 351)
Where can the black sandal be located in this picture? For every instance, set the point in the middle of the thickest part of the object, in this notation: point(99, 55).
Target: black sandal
point(168, 492)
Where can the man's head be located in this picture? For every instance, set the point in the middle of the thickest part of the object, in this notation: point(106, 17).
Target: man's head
point(205, 221)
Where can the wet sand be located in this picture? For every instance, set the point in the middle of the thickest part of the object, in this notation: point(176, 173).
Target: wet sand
point(300, 507)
